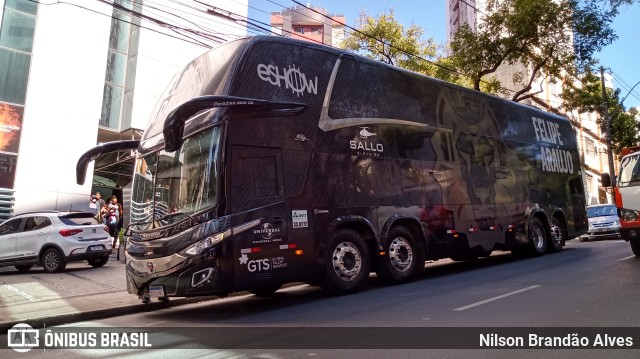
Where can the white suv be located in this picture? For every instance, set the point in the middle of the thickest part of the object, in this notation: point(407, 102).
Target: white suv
point(51, 239)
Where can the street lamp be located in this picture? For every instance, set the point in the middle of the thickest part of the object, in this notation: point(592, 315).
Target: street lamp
point(629, 93)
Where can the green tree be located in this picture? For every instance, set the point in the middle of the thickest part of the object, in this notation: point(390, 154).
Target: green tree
point(587, 98)
point(546, 37)
point(384, 39)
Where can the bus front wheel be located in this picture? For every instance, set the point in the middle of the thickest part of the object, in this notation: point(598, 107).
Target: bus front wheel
point(347, 263)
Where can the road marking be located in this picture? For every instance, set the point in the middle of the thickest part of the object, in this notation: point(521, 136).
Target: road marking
point(496, 298)
point(16, 290)
point(625, 258)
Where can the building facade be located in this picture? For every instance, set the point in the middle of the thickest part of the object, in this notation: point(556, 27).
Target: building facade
point(77, 73)
point(310, 24)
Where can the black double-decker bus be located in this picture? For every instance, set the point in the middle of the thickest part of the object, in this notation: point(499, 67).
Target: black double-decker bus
point(269, 160)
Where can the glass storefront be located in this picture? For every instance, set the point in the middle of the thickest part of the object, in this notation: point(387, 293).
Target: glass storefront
point(16, 42)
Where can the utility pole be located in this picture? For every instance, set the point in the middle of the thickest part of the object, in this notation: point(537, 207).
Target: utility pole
point(607, 122)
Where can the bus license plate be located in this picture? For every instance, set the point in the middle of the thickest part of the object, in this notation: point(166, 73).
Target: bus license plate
point(156, 291)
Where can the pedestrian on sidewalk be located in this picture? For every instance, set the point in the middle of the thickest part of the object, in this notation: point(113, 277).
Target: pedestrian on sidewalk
point(112, 218)
point(96, 202)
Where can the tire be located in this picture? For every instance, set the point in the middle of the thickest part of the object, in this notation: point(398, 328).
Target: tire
point(558, 236)
point(98, 262)
point(537, 237)
point(347, 263)
point(583, 239)
point(402, 262)
point(24, 267)
point(53, 261)
point(635, 246)
point(266, 291)
point(537, 241)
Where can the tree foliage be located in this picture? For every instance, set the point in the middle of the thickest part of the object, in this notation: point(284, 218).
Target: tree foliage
point(384, 39)
point(587, 98)
point(547, 37)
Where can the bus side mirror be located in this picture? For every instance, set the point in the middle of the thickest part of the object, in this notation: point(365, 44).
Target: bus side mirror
point(605, 179)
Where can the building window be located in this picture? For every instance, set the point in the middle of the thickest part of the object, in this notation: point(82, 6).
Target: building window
point(589, 180)
point(29, 7)
point(14, 75)
point(120, 71)
point(116, 68)
point(111, 105)
point(299, 29)
point(17, 30)
point(16, 41)
point(591, 147)
point(119, 36)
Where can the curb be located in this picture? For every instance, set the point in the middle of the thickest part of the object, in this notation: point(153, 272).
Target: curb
point(119, 311)
point(104, 313)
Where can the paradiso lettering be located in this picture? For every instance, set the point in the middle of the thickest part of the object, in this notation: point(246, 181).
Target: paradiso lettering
point(553, 159)
point(292, 77)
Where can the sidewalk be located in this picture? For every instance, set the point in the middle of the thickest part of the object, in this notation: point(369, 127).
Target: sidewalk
point(79, 293)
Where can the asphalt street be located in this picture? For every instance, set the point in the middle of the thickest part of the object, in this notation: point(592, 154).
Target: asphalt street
point(593, 284)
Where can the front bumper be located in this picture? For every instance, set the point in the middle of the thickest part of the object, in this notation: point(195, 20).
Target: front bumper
point(602, 233)
point(175, 276)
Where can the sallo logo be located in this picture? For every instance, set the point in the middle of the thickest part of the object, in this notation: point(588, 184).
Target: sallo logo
point(365, 145)
point(364, 133)
point(292, 78)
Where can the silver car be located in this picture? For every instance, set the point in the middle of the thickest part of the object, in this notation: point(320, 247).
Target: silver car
point(603, 222)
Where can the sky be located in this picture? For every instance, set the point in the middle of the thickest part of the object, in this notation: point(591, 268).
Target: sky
point(621, 56)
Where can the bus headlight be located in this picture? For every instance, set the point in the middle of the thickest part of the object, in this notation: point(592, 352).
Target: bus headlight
point(204, 244)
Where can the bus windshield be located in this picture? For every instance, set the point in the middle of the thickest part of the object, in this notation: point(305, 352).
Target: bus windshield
point(170, 186)
point(630, 171)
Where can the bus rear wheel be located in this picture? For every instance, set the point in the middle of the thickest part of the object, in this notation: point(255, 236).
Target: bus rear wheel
point(347, 263)
point(537, 243)
point(403, 259)
point(537, 237)
point(558, 236)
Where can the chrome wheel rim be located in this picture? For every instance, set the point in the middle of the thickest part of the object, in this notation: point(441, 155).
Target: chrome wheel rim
point(400, 254)
point(51, 260)
point(538, 237)
point(556, 234)
point(347, 261)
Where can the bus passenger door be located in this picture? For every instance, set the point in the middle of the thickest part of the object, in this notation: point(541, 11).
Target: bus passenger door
point(257, 194)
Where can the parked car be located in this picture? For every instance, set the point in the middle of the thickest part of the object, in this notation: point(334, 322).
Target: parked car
point(603, 222)
point(51, 239)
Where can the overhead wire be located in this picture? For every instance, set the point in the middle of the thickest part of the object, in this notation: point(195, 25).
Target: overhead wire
point(252, 25)
point(111, 16)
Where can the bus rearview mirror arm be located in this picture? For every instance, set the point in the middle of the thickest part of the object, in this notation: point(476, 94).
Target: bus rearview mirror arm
point(92, 154)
